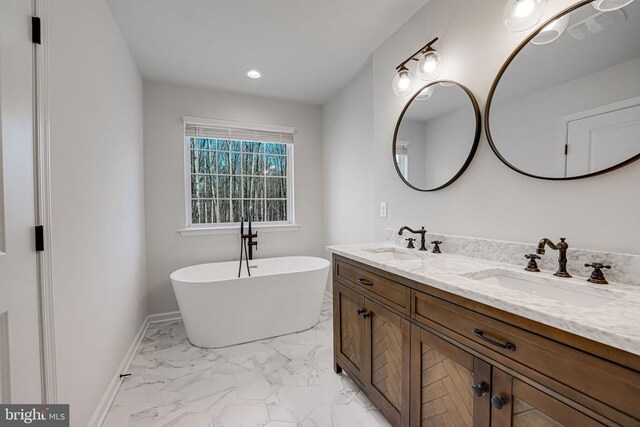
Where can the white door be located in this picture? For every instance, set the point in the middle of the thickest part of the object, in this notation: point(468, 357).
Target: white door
point(20, 367)
point(603, 140)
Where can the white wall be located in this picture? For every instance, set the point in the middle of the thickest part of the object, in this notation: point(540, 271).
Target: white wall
point(348, 162)
point(99, 269)
point(490, 200)
point(167, 250)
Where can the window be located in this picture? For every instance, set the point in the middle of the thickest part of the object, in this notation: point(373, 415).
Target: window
point(233, 172)
point(402, 158)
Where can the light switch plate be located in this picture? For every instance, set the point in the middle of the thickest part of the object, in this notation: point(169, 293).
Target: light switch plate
point(383, 210)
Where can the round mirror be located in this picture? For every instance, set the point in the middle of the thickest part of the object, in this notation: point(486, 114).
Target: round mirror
point(436, 136)
point(566, 104)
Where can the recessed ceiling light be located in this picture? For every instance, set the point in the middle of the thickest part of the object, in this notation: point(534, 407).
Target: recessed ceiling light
point(253, 74)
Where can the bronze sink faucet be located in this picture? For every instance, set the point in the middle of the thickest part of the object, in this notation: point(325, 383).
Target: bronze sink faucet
point(561, 247)
point(422, 232)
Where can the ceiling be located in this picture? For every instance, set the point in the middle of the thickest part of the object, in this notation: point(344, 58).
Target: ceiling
point(306, 50)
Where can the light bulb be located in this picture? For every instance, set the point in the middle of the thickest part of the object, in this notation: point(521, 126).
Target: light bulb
point(524, 8)
point(426, 93)
point(551, 31)
point(253, 74)
point(429, 65)
point(609, 5)
point(520, 15)
point(402, 82)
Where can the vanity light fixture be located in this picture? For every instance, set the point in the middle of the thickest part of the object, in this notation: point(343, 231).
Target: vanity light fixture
point(253, 74)
point(609, 5)
point(429, 65)
point(520, 15)
point(552, 31)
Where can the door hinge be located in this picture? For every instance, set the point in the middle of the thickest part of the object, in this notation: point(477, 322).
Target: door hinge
point(566, 149)
point(39, 238)
point(36, 30)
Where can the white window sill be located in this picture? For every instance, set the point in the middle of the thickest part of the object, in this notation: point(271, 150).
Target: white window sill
point(205, 231)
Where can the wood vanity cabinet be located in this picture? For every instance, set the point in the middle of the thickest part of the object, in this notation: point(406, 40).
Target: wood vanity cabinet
point(454, 388)
point(372, 344)
point(429, 358)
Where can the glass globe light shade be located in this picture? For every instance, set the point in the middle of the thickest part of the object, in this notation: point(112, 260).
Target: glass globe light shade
point(402, 84)
point(429, 65)
point(551, 31)
point(426, 93)
point(609, 5)
point(520, 15)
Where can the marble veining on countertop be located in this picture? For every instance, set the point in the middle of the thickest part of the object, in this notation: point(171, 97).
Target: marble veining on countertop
point(615, 323)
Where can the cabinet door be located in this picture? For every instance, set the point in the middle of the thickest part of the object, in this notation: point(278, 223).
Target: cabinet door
point(388, 339)
point(349, 330)
point(443, 381)
point(517, 404)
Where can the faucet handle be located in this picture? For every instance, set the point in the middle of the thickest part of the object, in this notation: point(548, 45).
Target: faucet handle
point(596, 275)
point(597, 265)
point(410, 244)
point(532, 265)
point(436, 246)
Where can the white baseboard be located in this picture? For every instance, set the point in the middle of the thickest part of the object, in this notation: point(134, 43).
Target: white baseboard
point(164, 317)
point(109, 395)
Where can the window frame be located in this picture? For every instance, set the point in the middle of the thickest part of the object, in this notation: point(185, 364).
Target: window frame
point(210, 228)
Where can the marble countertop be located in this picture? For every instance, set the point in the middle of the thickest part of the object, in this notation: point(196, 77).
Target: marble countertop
point(615, 323)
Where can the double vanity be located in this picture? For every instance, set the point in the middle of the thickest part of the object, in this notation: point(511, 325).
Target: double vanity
point(444, 339)
point(450, 340)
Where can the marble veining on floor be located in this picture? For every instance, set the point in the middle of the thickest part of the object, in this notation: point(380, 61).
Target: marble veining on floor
point(283, 381)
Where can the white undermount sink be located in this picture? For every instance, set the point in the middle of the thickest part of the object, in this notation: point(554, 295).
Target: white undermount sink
point(565, 291)
point(392, 253)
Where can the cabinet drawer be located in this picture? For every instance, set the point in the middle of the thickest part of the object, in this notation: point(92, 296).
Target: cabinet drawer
point(392, 293)
point(604, 381)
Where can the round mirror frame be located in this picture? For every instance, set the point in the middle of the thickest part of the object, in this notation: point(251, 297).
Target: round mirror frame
point(476, 137)
point(496, 81)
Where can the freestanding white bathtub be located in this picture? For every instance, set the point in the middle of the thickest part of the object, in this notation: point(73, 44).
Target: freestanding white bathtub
point(282, 296)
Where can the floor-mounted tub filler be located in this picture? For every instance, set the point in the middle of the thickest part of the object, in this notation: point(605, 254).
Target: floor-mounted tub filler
point(282, 296)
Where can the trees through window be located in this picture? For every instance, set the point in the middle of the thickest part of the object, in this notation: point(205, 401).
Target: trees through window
point(230, 178)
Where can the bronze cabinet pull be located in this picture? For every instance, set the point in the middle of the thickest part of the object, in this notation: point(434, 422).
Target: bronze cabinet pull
point(365, 282)
point(498, 402)
point(508, 346)
point(363, 313)
point(481, 389)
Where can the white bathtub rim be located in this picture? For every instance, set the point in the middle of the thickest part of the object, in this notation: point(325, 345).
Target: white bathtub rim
point(324, 263)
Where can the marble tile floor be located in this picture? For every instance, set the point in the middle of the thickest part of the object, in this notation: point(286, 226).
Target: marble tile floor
point(279, 382)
